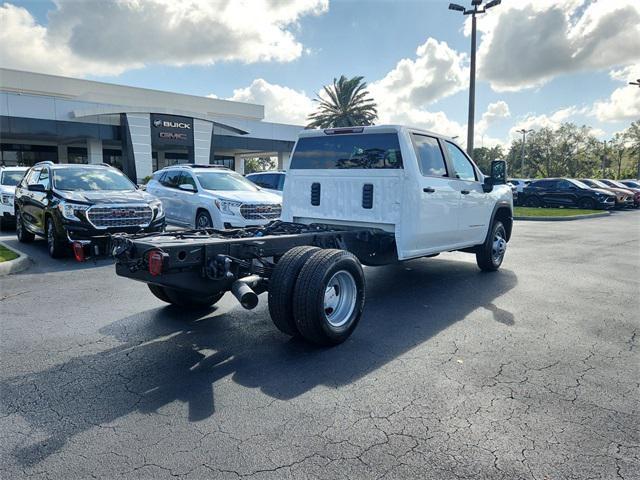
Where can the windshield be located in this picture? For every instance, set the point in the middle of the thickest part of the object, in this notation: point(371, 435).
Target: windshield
point(618, 184)
point(225, 181)
point(579, 184)
point(599, 184)
point(90, 179)
point(632, 184)
point(12, 177)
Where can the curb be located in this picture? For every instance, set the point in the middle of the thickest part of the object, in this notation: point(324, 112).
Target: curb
point(17, 264)
point(563, 219)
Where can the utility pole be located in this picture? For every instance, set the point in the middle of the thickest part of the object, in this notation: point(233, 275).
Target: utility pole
point(604, 158)
point(472, 71)
point(524, 132)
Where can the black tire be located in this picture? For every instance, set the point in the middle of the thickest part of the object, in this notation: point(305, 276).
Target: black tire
point(587, 203)
point(490, 257)
point(281, 287)
point(56, 248)
point(309, 302)
point(24, 235)
point(203, 220)
point(184, 298)
point(159, 292)
point(534, 202)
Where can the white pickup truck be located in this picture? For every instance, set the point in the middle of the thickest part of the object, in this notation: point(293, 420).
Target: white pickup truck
point(360, 195)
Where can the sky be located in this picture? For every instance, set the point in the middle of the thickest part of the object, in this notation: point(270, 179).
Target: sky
point(540, 62)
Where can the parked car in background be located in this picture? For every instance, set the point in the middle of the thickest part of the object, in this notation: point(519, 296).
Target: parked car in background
point(80, 206)
point(520, 183)
point(9, 178)
point(211, 196)
point(514, 192)
point(272, 182)
point(624, 197)
point(564, 192)
point(620, 185)
point(631, 183)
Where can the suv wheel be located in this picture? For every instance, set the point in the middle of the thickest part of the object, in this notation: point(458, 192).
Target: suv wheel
point(57, 249)
point(490, 254)
point(587, 204)
point(203, 220)
point(24, 235)
point(533, 202)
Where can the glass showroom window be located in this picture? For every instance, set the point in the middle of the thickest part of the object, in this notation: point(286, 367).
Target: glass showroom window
point(77, 155)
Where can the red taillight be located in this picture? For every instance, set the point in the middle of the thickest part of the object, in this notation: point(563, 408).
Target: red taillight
point(155, 263)
point(78, 251)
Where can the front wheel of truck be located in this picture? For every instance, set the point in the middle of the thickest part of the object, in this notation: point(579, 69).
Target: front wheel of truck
point(184, 298)
point(490, 254)
point(329, 297)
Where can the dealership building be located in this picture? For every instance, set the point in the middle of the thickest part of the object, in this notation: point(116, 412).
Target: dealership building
point(69, 120)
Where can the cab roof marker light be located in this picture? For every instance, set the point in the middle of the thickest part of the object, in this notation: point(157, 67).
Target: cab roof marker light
point(339, 131)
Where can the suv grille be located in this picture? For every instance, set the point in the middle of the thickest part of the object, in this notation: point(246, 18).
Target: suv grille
point(252, 211)
point(120, 216)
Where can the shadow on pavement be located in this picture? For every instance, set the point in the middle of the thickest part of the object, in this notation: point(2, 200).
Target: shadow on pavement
point(170, 355)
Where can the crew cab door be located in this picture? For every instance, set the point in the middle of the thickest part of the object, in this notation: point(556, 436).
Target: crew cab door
point(476, 206)
point(432, 224)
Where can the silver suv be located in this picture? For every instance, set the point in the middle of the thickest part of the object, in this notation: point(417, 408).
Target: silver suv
point(209, 196)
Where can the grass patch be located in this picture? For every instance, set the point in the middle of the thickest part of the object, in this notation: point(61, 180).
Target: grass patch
point(551, 212)
point(6, 254)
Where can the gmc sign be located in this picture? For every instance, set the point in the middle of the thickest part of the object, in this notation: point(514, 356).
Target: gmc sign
point(168, 130)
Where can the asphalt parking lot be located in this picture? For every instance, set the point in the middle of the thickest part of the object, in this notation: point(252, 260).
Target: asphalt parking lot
point(531, 372)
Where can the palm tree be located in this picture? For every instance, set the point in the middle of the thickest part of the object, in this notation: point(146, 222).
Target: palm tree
point(346, 103)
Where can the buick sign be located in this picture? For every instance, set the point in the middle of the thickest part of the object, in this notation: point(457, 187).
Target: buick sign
point(171, 130)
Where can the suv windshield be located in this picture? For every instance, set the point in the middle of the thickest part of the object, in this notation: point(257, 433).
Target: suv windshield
point(90, 179)
point(11, 177)
point(579, 183)
point(225, 181)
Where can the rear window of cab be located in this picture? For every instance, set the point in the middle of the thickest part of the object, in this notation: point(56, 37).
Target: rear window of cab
point(357, 151)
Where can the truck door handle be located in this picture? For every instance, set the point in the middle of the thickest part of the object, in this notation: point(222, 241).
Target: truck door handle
point(428, 190)
point(465, 192)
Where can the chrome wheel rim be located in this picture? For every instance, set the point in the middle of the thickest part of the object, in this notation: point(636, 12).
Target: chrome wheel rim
point(499, 246)
point(340, 298)
point(50, 236)
point(18, 225)
point(203, 222)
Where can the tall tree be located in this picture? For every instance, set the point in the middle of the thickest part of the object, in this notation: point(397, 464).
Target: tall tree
point(345, 103)
point(632, 136)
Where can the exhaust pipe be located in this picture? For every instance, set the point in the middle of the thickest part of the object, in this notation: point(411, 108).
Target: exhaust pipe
point(242, 290)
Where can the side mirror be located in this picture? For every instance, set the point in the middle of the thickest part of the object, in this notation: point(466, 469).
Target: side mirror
point(36, 187)
point(187, 187)
point(499, 172)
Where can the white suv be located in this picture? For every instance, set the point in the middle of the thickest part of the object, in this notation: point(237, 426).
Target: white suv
point(272, 181)
point(204, 196)
point(9, 178)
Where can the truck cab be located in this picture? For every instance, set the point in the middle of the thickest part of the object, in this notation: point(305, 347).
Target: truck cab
point(418, 185)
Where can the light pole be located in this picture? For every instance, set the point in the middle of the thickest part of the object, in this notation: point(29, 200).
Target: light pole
point(524, 132)
point(637, 82)
point(472, 74)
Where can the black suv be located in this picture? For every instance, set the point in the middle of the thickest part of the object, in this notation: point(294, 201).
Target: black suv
point(564, 192)
point(80, 205)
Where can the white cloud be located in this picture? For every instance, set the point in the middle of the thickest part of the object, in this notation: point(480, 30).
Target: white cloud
point(624, 102)
point(553, 121)
point(495, 112)
point(282, 104)
point(436, 72)
point(83, 38)
point(527, 43)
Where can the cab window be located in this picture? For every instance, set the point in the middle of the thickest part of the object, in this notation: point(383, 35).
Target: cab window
point(187, 179)
point(463, 168)
point(430, 157)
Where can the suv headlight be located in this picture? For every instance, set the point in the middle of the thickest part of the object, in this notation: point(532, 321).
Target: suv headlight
point(70, 210)
point(158, 210)
point(227, 207)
